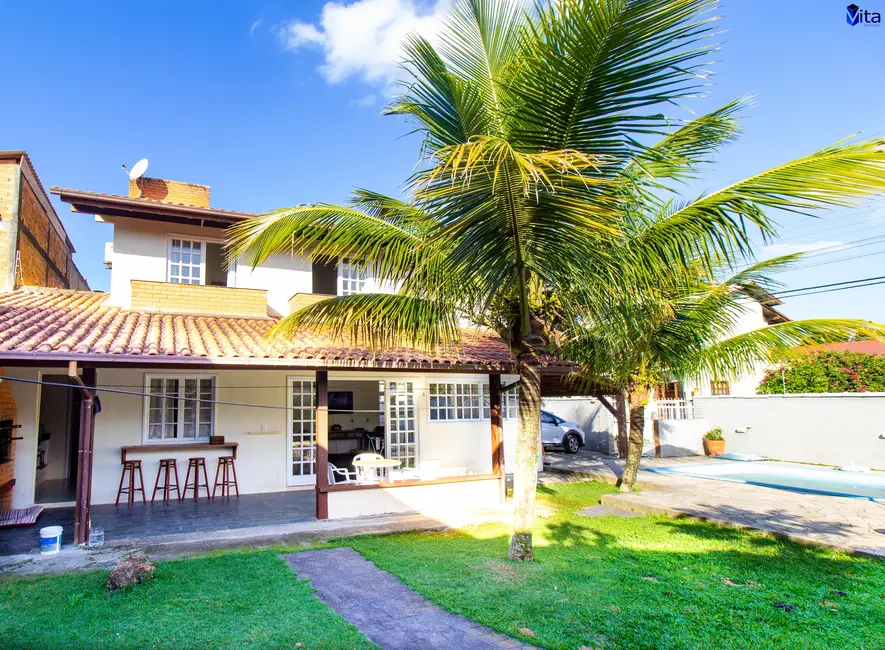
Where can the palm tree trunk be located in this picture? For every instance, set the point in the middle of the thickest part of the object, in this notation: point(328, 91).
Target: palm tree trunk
point(621, 419)
point(638, 399)
point(525, 473)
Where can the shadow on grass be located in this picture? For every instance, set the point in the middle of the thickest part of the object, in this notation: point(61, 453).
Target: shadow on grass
point(567, 533)
point(776, 520)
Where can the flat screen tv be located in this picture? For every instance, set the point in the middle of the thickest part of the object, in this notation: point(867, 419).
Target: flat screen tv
point(341, 401)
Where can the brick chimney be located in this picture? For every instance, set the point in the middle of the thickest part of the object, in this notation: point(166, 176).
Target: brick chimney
point(157, 189)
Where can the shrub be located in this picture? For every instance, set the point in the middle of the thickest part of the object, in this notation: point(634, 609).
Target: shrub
point(826, 372)
point(714, 434)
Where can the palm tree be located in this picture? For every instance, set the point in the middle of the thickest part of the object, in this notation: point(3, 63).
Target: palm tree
point(542, 129)
point(683, 327)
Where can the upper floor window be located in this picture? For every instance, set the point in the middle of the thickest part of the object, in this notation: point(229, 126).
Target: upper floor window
point(185, 261)
point(350, 279)
point(194, 261)
point(670, 390)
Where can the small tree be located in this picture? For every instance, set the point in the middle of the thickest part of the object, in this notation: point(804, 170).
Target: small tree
point(826, 372)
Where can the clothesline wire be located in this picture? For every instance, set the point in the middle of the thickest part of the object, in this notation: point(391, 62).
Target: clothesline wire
point(222, 402)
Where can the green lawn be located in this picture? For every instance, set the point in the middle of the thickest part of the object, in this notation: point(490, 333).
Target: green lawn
point(235, 600)
point(647, 582)
point(608, 583)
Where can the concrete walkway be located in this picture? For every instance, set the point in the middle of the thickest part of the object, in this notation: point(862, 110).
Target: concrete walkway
point(385, 610)
point(853, 525)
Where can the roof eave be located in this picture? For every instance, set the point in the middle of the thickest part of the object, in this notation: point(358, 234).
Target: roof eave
point(117, 206)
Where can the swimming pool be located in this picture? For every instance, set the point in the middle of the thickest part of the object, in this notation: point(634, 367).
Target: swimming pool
point(789, 477)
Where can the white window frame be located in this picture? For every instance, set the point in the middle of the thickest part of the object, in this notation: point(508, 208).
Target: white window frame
point(350, 273)
point(459, 404)
point(202, 241)
point(145, 429)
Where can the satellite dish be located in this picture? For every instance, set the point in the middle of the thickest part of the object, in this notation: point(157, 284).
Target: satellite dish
point(138, 169)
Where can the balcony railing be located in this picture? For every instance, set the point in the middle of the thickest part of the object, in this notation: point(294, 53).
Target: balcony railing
point(675, 409)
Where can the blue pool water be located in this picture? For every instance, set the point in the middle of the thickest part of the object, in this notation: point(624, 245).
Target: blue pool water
point(859, 485)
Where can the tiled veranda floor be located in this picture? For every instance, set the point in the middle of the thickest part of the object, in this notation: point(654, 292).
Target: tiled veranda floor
point(147, 520)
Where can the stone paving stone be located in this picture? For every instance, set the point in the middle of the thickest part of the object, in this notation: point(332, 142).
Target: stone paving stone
point(606, 511)
point(385, 610)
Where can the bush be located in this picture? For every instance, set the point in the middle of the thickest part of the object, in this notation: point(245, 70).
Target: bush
point(714, 434)
point(826, 372)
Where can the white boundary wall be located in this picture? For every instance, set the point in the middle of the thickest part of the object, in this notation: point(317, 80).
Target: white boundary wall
point(828, 429)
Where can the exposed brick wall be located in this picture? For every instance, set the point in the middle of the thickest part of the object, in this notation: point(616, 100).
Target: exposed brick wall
point(33, 264)
point(158, 189)
point(8, 411)
point(8, 205)
point(39, 243)
point(8, 172)
point(198, 299)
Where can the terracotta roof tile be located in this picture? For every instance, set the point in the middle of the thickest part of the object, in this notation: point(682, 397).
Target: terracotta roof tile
point(73, 324)
point(876, 348)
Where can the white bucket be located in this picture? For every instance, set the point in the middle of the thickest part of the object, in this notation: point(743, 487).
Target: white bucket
point(50, 540)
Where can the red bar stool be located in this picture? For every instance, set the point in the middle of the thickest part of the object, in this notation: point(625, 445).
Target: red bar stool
point(223, 474)
point(195, 464)
point(131, 466)
point(168, 469)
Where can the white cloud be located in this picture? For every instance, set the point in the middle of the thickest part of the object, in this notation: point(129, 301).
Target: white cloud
point(775, 250)
point(254, 26)
point(363, 39)
point(366, 101)
point(296, 35)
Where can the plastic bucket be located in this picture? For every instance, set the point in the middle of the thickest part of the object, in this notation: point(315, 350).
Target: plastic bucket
point(50, 540)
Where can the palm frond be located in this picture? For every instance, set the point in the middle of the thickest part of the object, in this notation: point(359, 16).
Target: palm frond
point(596, 72)
point(743, 353)
point(377, 321)
point(389, 247)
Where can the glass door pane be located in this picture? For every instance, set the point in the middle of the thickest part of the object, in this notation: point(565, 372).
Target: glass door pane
point(302, 432)
point(402, 431)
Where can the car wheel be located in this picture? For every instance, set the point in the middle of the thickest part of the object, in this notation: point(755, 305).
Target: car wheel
point(571, 443)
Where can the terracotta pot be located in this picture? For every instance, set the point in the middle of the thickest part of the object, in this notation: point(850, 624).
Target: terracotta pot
point(714, 447)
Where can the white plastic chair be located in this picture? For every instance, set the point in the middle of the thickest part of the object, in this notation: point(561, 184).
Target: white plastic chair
point(347, 476)
point(427, 470)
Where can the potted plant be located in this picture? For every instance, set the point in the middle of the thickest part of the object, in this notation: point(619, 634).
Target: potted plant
point(714, 443)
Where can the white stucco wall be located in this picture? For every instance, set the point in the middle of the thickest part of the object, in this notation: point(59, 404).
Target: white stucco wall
point(140, 250)
point(464, 448)
point(829, 429)
point(435, 499)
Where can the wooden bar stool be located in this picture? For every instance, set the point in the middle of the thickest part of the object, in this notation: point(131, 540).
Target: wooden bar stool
point(131, 466)
point(195, 464)
point(168, 469)
point(223, 474)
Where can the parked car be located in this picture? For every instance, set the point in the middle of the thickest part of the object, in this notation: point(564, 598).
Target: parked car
point(556, 432)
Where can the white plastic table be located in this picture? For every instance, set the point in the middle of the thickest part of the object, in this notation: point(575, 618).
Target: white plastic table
point(374, 471)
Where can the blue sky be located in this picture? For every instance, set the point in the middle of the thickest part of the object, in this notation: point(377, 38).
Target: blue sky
point(277, 103)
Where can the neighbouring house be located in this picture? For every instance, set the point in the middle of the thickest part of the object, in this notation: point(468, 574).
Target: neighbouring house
point(35, 251)
point(176, 353)
point(871, 347)
point(674, 424)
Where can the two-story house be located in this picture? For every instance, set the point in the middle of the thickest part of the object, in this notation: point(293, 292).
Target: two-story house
point(177, 355)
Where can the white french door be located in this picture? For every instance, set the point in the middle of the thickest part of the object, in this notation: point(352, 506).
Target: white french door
point(301, 440)
point(402, 432)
